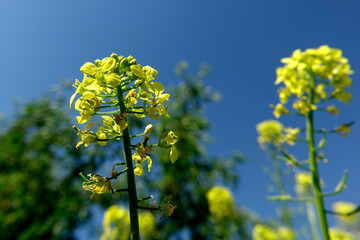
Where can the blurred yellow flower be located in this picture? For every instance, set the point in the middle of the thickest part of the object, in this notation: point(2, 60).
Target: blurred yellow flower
point(317, 71)
point(339, 234)
point(116, 224)
point(303, 183)
point(344, 208)
point(263, 232)
point(221, 203)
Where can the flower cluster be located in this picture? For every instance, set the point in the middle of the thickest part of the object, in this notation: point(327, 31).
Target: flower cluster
point(273, 132)
point(96, 184)
point(116, 224)
point(304, 183)
point(221, 203)
point(339, 234)
point(263, 232)
point(313, 76)
point(345, 208)
point(103, 82)
point(117, 81)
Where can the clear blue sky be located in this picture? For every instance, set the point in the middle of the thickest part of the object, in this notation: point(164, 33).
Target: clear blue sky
point(244, 41)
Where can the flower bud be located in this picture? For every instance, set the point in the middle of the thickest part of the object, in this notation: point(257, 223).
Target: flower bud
point(114, 172)
point(98, 62)
point(124, 63)
point(89, 69)
point(114, 56)
point(148, 129)
point(132, 62)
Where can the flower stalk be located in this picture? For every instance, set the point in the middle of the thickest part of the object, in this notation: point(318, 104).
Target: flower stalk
point(319, 201)
point(134, 219)
point(107, 78)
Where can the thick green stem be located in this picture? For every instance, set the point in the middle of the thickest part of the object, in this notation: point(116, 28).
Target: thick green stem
point(319, 201)
point(134, 221)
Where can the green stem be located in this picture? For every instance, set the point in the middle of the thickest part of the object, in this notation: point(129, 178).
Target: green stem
point(319, 201)
point(107, 113)
point(138, 135)
point(134, 220)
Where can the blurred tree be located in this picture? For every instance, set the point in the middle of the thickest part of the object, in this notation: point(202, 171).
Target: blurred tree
point(194, 173)
point(40, 187)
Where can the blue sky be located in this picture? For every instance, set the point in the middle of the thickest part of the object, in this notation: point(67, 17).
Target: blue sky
point(42, 41)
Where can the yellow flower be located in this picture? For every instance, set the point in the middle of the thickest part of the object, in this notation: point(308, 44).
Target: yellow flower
point(345, 208)
point(332, 109)
point(116, 223)
point(262, 232)
point(130, 99)
point(96, 184)
point(86, 136)
point(156, 108)
point(314, 70)
point(110, 129)
point(105, 66)
point(303, 183)
point(87, 105)
point(88, 84)
point(167, 142)
point(270, 131)
point(221, 203)
point(343, 130)
point(280, 110)
point(303, 107)
point(147, 224)
point(138, 159)
point(291, 135)
point(339, 234)
point(285, 233)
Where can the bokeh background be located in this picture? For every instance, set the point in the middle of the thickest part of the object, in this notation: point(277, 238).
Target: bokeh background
point(243, 41)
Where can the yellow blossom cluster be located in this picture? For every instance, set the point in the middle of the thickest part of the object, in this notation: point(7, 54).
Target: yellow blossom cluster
point(116, 224)
point(221, 203)
point(313, 76)
point(344, 208)
point(96, 184)
point(339, 234)
point(107, 79)
point(263, 232)
point(304, 183)
point(273, 132)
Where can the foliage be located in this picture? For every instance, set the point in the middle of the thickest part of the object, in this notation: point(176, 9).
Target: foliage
point(40, 198)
